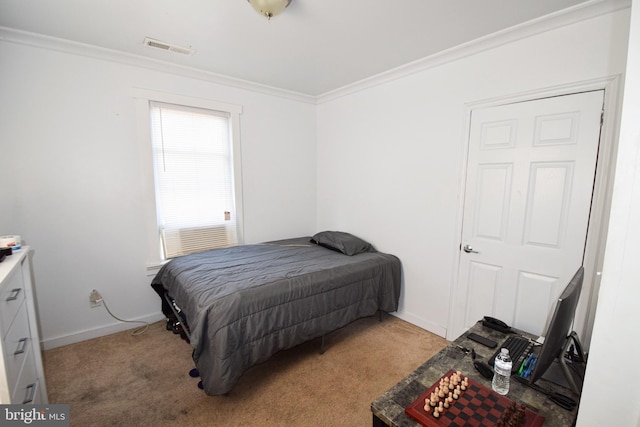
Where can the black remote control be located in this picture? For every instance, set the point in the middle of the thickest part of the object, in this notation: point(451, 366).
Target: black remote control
point(482, 340)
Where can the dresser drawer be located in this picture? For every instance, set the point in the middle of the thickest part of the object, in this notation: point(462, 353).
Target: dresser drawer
point(27, 388)
point(11, 298)
point(17, 346)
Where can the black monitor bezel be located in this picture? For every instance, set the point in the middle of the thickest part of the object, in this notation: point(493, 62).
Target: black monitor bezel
point(559, 328)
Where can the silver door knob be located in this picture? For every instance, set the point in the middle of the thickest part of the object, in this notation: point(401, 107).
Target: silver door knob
point(468, 249)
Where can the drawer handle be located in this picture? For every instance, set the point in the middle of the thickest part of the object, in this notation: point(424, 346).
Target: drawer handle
point(14, 294)
point(22, 344)
point(31, 392)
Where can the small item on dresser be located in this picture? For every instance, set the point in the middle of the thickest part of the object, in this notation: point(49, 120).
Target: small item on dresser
point(11, 242)
point(496, 324)
point(484, 369)
point(482, 340)
point(502, 372)
point(478, 405)
point(5, 252)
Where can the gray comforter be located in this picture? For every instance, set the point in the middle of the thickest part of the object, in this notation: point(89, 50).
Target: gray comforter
point(245, 303)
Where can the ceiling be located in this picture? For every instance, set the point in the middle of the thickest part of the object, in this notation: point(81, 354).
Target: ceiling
point(312, 48)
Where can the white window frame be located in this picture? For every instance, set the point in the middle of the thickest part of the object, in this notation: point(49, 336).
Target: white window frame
point(142, 98)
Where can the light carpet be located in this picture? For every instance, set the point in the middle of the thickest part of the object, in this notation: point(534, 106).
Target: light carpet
point(126, 380)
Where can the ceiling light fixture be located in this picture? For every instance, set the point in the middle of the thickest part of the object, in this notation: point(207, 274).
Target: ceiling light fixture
point(269, 8)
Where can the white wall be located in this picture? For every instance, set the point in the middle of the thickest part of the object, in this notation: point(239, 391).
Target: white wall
point(615, 342)
point(390, 157)
point(73, 186)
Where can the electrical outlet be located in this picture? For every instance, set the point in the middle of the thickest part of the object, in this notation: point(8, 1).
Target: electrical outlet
point(95, 299)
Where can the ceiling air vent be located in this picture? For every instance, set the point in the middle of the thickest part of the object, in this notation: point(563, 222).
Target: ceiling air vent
point(167, 46)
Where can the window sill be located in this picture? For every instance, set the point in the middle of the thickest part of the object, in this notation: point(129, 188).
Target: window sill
point(153, 268)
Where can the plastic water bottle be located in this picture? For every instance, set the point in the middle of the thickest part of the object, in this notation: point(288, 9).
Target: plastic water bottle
point(501, 372)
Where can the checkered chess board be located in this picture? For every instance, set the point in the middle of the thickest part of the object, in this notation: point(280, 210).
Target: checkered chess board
point(477, 406)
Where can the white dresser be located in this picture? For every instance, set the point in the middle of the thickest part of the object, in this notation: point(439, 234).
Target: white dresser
point(21, 371)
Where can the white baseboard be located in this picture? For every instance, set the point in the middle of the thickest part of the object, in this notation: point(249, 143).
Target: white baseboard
point(121, 326)
point(422, 323)
point(99, 332)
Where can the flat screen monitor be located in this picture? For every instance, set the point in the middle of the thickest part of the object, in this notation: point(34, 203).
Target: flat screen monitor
point(558, 333)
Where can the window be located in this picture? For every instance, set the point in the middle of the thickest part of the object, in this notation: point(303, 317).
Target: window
point(195, 174)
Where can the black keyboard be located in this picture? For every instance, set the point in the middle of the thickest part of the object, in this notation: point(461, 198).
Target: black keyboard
point(519, 349)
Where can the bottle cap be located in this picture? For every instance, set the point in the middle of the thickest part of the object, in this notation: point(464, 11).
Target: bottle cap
point(504, 351)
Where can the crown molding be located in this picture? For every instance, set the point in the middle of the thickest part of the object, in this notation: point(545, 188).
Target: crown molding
point(12, 35)
point(569, 16)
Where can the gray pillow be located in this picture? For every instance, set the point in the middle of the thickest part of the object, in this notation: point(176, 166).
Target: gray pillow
point(343, 242)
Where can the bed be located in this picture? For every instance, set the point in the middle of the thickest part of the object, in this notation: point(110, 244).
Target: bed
point(243, 304)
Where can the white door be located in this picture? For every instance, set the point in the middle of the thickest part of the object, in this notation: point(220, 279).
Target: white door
point(530, 177)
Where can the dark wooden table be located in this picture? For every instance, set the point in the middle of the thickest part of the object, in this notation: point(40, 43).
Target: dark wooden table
point(389, 409)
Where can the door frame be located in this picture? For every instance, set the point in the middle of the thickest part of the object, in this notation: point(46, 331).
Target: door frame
point(602, 192)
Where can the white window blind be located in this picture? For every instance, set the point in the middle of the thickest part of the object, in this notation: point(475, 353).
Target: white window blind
point(193, 178)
